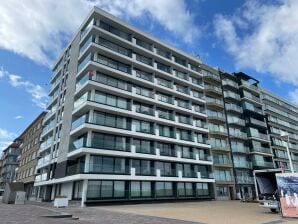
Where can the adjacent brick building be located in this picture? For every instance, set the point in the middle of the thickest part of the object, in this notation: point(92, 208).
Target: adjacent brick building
point(30, 142)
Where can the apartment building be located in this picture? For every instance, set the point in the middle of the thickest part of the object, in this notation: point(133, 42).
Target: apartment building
point(30, 143)
point(247, 129)
point(282, 118)
point(9, 163)
point(126, 119)
point(218, 134)
point(1, 178)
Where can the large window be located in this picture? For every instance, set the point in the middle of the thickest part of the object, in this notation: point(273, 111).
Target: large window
point(202, 189)
point(166, 149)
point(185, 189)
point(144, 44)
point(144, 126)
point(165, 114)
point(183, 119)
point(166, 131)
point(183, 103)
point(114, 47)
point(144, 91)
point(110, 120)
point(111, 100)
point(115, 31)
point(144, 146)
point(144, 167)
point(167, 169)
point(111, 142)
point(185, 135)
point(111, 81)
point(110, 165)
point(187, 152)
point(165, 98)
point(144, 108)
point(140, 189)
point(105, 189)
point(182, 89)
point(163, 67)
point(112, 63)
point(143, 59)
point(144, 75)
point(164, 189)
point(164, 82)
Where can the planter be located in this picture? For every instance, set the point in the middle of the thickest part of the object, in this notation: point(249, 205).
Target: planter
point(61, 202)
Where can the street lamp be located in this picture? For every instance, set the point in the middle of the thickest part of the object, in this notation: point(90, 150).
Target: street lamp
point(285, 137)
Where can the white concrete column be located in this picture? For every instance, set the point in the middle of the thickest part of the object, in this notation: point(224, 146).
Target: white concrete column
point(84, 193)
point(89, 136)
point(87, 163)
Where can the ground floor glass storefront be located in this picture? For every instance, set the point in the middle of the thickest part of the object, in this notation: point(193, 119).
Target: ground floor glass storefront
point(132, 190)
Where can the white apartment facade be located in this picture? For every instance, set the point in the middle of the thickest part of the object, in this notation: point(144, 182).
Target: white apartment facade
point(126, 120)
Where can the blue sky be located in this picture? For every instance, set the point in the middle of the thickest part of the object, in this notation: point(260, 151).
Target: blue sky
point(257, 37)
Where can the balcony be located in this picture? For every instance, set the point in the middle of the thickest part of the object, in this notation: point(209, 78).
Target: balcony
point(216, 116)
point(214, 102)
point(231, 95)
point(239, 149)
point(190, 174)
point(238, 121)
point(244, 180)
point(261, 149)
point(263, 164)
point(222, 161)
point(233, 107)
point(217, 131)
point(213, 89)
point(241, 135)
point(44, 161)
point(253, 109)
point(151, 171)
point(210, 76)
point(99, 144)
point(224, 179)
point(249, 86)
point(169, 173)
point(227, 82)
point(245, 165)
point(41, 177)
point(258, 135)
point(257, 122)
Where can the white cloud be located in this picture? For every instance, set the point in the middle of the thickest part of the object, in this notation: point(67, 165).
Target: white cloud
point(38, 29)
point(6, 138)
point(293, 96)
point(263, 37)
point(18, 117)
point(5, 134)
point(38, 94)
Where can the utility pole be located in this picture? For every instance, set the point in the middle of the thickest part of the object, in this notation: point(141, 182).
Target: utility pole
point(285, 137)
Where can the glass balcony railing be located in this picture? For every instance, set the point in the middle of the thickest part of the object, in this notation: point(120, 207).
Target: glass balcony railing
point(262, 163)
point(190, 174)
point(257, 122)
point(244, 180)
point(258, 135)
point(221, 161)
point(261, 149)
point(169, 173)
point(240, 149)
point(99, 144)
point(214, 101)
point(233, 107)
point(145, 171)
point(247, 165)
point(249, 85)
point(229, 83)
